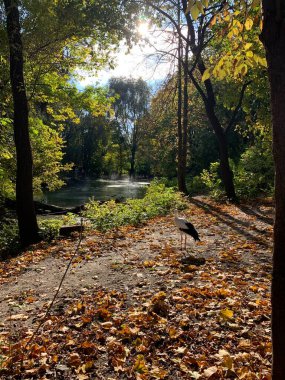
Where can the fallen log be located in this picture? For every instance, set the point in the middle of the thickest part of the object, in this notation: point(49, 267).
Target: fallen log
point(43, 208)
point(68, 230)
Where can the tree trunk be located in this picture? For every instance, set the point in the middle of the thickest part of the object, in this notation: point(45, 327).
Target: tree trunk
point(185, 114)
point(28, 228)
point(273, 38)
point(134, 147)
point(225, 169)
point(181, 167)
point(132, 161)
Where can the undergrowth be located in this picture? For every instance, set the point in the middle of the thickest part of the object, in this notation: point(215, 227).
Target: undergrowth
point(158, 200)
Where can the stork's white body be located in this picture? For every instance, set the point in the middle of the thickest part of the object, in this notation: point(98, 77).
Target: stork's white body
point(185, 228)
point(180, 222)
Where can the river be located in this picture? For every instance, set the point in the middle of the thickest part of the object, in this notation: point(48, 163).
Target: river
point(80, 191)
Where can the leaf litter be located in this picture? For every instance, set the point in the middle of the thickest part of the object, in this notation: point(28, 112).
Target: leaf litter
point(131, 308)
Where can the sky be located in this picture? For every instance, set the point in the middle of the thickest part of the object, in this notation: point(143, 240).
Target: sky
point(140, 62)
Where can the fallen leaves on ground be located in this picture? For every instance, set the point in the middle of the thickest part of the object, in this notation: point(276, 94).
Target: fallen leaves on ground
point(204, 322)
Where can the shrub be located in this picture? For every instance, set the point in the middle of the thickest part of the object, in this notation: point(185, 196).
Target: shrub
point(254, 174)
point(49, 228)
point(158, 200)
point(212, 180)
point(196, 186)
point(9, 238)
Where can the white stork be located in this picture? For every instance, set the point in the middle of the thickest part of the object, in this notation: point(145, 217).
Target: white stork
point(185, 228)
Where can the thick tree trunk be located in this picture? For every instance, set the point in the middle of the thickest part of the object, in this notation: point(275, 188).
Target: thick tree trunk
point(225, 169)
point(273, 38)
point(28, 228)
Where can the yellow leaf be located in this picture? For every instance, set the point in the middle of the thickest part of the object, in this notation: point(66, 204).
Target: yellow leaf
point(200, 7)
point(194, 12)
point(249, 54)
point(221, 74)
point(247, 45)
point(140, 365)
point(206, 75)
point(6, 155)
point(248, 24)
point(262, 62)
point(205, 3)
point(226, 314)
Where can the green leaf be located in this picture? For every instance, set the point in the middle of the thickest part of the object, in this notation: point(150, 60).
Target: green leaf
point(194, 12)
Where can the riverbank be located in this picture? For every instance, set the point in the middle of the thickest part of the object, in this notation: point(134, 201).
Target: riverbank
point(80, 191)
point(130, 308)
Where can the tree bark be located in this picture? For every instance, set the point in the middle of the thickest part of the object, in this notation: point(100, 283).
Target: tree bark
point(134, 147)
point(185, 114)
point(132, 161)
point(181, 166)
point(225, 169)
point(27, 221)
point(273, 38)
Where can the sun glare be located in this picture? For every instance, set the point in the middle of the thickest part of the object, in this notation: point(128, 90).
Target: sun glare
point(143, 28)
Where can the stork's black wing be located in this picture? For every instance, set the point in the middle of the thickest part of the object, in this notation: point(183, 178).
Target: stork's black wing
point(190, 230)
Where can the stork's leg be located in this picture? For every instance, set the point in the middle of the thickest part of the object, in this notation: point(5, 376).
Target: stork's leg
point(185, 242)
point(181, 240)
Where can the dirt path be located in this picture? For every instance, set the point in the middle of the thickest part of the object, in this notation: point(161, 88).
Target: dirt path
point(141, 262)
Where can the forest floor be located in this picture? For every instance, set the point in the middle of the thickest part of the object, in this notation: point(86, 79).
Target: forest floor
point(129, 308)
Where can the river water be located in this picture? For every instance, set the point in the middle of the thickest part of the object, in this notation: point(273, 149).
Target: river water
point(80, 191)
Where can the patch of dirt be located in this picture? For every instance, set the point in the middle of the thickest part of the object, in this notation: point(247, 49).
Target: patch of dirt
point(139, 269)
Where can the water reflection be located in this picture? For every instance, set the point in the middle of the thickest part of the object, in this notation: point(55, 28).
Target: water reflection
point(80, 191)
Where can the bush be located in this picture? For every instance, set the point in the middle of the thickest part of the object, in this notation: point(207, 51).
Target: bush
point(159, 200)
point(9, 238)
point(254, 174)
point(212, 180)
point(196, 186)
point(49, 228)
